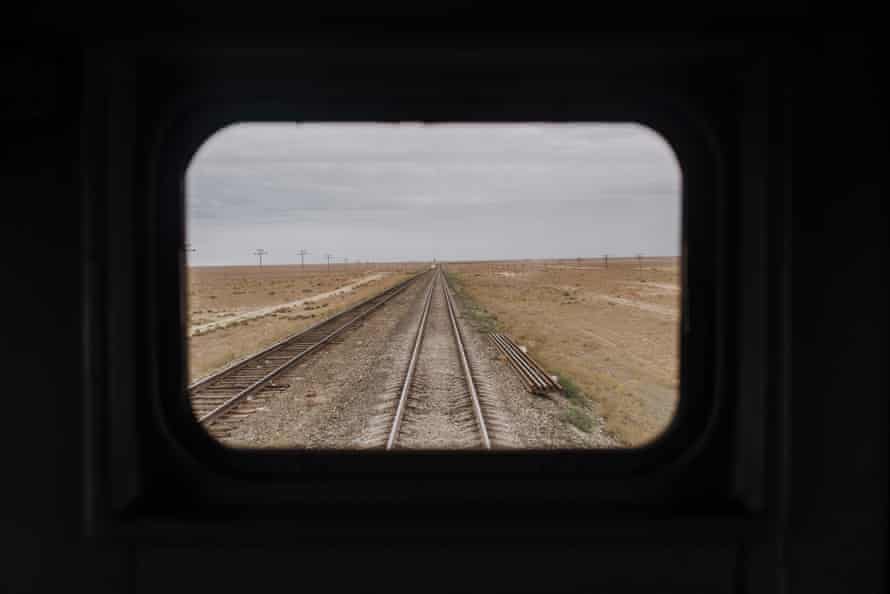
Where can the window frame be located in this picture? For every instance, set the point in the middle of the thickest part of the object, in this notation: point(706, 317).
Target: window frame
point(148, 450)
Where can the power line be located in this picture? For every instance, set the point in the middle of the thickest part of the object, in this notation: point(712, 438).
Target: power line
point(260, 252)
point(302, 253)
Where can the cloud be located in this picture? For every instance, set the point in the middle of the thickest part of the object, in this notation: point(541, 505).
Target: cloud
point(548, 190)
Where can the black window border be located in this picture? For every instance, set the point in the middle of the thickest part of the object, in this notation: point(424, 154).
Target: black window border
point(150, 108)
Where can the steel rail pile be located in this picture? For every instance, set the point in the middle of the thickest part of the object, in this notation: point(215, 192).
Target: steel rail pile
point(533, 375)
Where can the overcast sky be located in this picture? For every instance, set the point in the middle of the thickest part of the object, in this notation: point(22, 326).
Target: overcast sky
point(417, 192)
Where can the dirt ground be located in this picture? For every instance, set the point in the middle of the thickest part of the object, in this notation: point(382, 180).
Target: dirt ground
point(254, 306)
point(611, 332)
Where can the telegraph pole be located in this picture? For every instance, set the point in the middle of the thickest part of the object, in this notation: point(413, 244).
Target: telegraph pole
point(606, 260)
point(188, 248)
point(302, 253)
point(260, 252)
point(329, 256)
point(640, 262)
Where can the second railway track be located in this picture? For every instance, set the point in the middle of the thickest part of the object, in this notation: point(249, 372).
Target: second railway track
point(221, 400)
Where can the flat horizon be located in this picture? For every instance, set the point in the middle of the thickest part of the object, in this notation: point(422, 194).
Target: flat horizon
point(462, 261)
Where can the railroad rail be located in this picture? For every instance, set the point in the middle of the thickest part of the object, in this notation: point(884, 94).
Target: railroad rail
point(529, 371)
point(439, 281)
point(217, 399)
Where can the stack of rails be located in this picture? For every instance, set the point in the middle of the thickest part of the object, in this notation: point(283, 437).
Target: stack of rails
point(533, 375)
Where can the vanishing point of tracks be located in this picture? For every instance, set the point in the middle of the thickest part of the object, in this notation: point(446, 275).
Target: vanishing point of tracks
point(448, 394)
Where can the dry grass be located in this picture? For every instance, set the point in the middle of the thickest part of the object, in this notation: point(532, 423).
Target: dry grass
point(613, 333)
point(218, 292)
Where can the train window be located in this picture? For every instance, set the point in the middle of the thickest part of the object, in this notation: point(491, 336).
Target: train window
point(434, 286)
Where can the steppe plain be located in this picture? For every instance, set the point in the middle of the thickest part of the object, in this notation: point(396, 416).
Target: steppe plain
point(234, 311)
point(609, 332)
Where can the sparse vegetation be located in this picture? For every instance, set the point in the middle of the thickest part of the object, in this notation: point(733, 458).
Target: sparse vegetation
point(235, 290)
point(481, 318)
point(614, 336)
point(578, 418)
point(570, 388)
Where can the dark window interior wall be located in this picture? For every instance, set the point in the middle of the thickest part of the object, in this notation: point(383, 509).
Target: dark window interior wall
point(815, 128)
point(838, 482)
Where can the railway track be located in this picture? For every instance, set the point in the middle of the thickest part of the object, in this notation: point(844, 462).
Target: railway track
point(221, 400)
point(439, 388)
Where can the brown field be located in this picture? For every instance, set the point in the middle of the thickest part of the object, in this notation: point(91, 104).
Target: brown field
point(234, 311)
point(613, 333)
point(610, 334)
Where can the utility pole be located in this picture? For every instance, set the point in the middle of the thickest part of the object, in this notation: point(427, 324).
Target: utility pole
point(606, 261)
point(302, 253)
point(329, 256)
point(260, 252)
point(640, 262)
point(188, 248)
